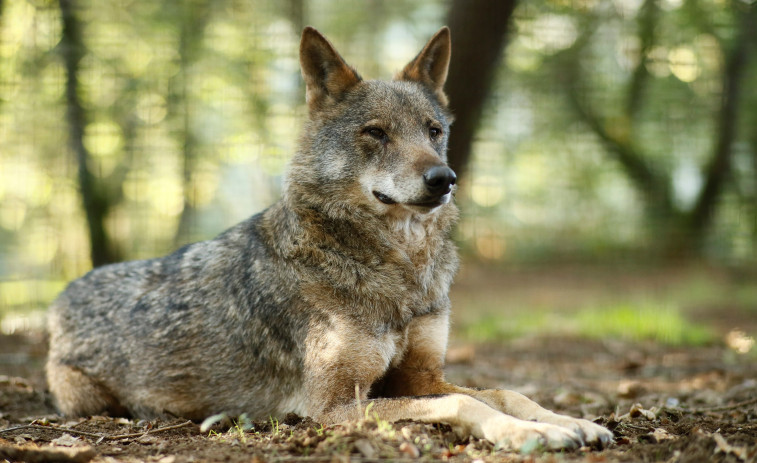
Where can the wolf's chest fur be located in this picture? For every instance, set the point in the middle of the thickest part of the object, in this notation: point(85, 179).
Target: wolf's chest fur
point(380, 273)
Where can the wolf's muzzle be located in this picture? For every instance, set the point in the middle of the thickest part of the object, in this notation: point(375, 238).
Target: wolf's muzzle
point(439, 180)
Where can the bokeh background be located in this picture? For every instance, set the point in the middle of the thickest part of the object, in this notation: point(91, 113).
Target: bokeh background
point(607, 149)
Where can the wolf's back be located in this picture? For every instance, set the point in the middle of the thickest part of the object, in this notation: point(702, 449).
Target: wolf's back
point(193, 322)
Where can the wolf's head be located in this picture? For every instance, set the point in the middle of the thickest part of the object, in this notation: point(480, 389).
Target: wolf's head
point(379, 146)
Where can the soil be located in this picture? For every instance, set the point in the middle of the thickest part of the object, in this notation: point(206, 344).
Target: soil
point(663, 404)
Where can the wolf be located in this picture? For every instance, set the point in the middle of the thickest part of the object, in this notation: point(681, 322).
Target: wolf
point(332, 299)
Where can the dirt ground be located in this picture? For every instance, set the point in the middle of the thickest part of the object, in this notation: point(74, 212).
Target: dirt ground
point(663, 404)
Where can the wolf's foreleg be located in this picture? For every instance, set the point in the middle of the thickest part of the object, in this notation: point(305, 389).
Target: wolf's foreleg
point(465, 414)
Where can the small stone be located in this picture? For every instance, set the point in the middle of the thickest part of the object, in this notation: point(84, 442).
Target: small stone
point(410, 450)
point(365, 448)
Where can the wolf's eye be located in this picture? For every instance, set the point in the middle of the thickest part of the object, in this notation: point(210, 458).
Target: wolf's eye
point(434, 132)
point(377, 133)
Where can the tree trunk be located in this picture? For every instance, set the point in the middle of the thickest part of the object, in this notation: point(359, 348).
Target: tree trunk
point(479, 30)
point(194, 20)
point(684, 232)
point(719, 167)
point(96, 205)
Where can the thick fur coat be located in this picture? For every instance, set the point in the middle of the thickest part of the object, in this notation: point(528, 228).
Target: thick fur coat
point(340, 286)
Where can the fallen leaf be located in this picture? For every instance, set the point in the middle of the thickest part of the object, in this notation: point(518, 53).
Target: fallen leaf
point(630, 389)
point(722, 446)
point(637, 410)
point(148, 439)
point(660, 435)
point(67, 440)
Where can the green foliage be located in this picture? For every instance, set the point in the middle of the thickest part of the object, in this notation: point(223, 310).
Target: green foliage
point(662, 323)
point(275, 430)
point(496, 327)
point(192, 110)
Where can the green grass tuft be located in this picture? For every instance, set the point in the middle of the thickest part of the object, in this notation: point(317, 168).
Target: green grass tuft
point(661, 323)
point(638, 322)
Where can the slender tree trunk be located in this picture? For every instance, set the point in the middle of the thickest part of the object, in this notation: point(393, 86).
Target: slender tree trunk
point(719, 168)
point(295, 11)
point(647, 23)
point(195, 18)
point(653, 186)
point(95, 203)
point(479, 30)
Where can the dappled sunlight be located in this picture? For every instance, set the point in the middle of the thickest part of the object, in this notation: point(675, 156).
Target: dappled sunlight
point(152, 108)
point(487, 191)
point(193, 127)
point(490, 246)
point(103, 140)
point(606, 181)
point(12, 214)
point(684, 63)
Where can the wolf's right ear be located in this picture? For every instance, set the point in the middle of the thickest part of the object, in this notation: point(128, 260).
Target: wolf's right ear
point(326, 74)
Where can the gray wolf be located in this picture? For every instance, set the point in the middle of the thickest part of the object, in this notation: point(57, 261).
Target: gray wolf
point(341, 286)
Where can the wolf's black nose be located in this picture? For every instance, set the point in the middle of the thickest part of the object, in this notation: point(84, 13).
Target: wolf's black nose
point(439, 180)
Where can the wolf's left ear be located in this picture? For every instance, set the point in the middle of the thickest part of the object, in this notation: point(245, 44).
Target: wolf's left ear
point(431, 65)
point(326, 74)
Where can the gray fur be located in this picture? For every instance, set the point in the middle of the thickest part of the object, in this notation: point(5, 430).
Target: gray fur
point(220, 325)
point(341, 286)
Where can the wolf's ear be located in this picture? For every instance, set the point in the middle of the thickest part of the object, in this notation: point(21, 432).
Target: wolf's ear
point(326, 74)
point(431, 65)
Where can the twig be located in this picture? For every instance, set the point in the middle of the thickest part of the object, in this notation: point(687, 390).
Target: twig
point(51, 428)
point(151, 431)
point(633, 426)
point(100, 437)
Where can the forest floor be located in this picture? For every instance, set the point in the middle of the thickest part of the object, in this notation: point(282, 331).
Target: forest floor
point(664, 403)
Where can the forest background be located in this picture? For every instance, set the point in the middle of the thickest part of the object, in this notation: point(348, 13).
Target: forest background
point(614, 135)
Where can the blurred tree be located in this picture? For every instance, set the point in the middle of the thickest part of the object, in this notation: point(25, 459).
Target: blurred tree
point(478, 30)
point(738, 53)
point(94, 196)
point(194, 17)
point(683, 231)
point(295, 11)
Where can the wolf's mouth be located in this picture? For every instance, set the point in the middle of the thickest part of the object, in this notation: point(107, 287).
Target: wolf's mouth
point(432, 203)
point(384, 198)
point(428, 204)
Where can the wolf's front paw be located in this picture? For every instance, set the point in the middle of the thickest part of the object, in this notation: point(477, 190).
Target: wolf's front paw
point(590, 433)
point(527, 435)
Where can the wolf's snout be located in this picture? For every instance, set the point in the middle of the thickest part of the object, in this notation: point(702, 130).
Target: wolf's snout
point(439, 180)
